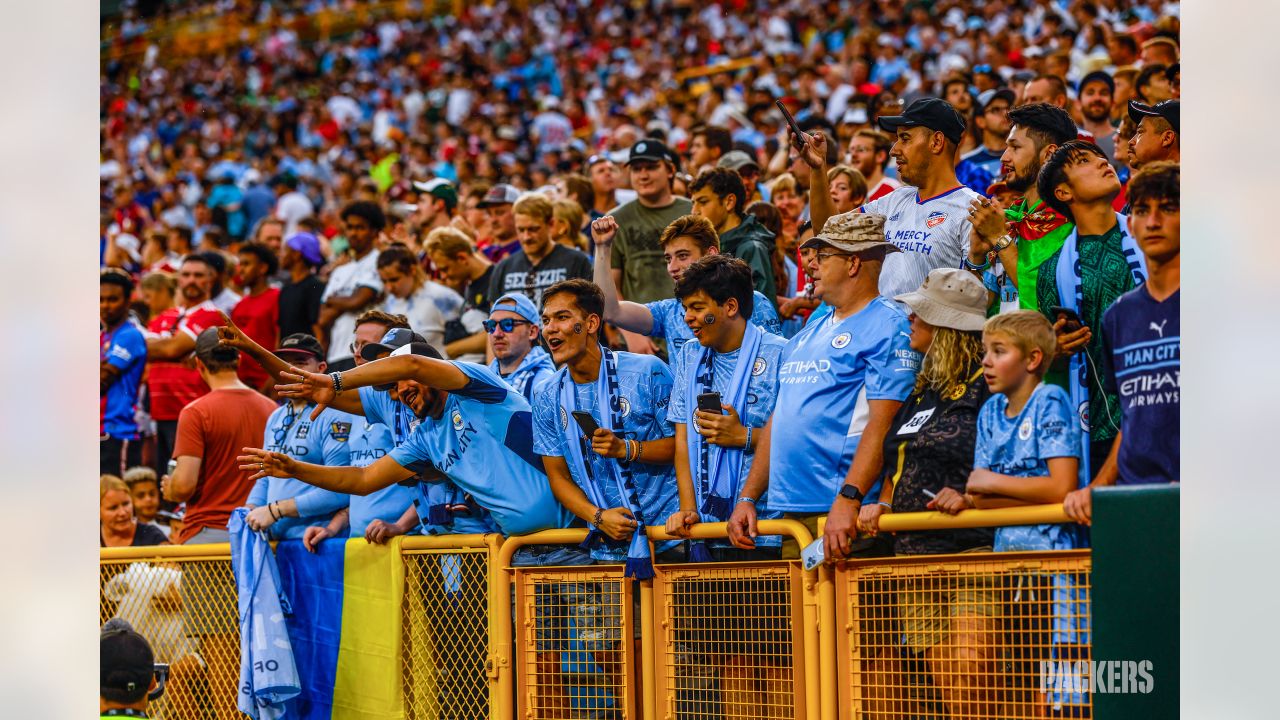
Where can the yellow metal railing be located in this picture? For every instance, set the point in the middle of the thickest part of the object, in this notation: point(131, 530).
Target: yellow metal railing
point(919, 636)
point(183, 600)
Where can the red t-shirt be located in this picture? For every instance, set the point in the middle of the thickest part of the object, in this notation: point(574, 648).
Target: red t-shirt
point(215, 428)
point(259, 317)
point(882, 188)
point(172, 385)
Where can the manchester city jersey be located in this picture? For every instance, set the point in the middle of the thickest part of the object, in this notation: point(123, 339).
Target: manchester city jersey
point(369, 442)
point(931, 233)
point(323, 441)
point(483, 441)
point(828, 373)
point(668, 322)
point(401, 422)
point(762, 394)
point(645, 392)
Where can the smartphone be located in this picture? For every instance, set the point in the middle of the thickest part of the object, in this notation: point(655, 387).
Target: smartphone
point(814, 554)
point(1072, 316)
point(797, 135)
point(586, 422)
point(710, 402)
point(172, 467)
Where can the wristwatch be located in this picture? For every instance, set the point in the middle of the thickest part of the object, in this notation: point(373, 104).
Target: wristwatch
point(851, 492)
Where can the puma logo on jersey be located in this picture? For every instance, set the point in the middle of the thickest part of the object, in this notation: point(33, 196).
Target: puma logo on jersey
point(1160, 328)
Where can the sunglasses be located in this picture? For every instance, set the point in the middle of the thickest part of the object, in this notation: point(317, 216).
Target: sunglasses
point(507, 324)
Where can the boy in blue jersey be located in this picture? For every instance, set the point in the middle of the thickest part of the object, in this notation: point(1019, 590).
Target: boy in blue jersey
point(121, 361)
point(684, 241)
point(513, 328)
point(1028, 453)
point(738, 361)
point(286, 507)
point(1141, 334)
point(619, 478)
point(841, 380)
point(714, 449)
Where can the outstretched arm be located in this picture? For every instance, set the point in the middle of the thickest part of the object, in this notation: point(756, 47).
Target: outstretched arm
point(321, 389)
point(351, 480)
point(232, 336)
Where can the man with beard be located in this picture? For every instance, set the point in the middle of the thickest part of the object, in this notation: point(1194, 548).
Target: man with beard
point(1096, 95)
point(1037, 230)
point(171, 337)
point(928, 218)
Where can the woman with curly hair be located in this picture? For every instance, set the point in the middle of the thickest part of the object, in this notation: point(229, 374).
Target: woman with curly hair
point(928, 455)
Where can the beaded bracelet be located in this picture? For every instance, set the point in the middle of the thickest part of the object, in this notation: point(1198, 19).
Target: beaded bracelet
point(596, 520)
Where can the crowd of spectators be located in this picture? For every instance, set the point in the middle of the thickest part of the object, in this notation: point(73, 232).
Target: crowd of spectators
point(517, 269)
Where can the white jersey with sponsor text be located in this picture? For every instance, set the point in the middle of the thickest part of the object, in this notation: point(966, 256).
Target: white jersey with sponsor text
point(932, 233)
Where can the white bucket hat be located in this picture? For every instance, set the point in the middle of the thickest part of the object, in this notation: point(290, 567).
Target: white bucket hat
point(950, 298)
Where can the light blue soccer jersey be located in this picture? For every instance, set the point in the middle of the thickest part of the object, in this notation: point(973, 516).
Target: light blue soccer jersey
point(369, 442)
point(645, 391)
point(483, 441)
point(762, 394)
point(379, 407)
point(323, 441)
point(829, 371)
point(668, 321)
point(1021, 446)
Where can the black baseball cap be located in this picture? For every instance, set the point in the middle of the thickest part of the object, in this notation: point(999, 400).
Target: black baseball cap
point(208, 348)
point(652, 150)
point(1167, 109)
point(933, 113)
point(424, 349)
point(126, 661)
point(500, 194)
point(301, 343)
point(394, 339)
point(1097, 76)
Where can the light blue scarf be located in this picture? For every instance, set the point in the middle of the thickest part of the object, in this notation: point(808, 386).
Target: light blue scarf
point(268, 674)
point(1071, 295)
point(609, 409)
point(716, 471)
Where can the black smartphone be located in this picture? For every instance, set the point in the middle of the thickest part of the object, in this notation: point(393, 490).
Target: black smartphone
point(798, 136)
point(1072, 316)
point(586, 422)
point(710, 402)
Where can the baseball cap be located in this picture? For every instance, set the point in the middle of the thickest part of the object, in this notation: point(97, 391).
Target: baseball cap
point(1097, 76)
point(987, 97)
point(1167, 109)
point(736, 160)
point(649, 149)
point(301, 343)
point(126, 662)
point(308, 246)
point(855, 115)
point(950, 298)
point(394, 339)
point(500, 194)
point(440, 188)
point(932, 113)
point(209, 349)
point(524, 307)
point(852, 231)
point(423, 349)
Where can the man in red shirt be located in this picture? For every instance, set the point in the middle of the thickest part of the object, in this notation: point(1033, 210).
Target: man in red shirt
point(212, 430)
point(869, 155)
point(258, 312)
point(171, 337)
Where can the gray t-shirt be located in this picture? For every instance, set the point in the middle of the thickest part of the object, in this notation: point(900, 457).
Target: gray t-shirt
point(637, 253)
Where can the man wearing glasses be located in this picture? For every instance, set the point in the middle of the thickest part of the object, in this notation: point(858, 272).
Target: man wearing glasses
point(980, 167)
point(846, 374)
point(514, 336)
